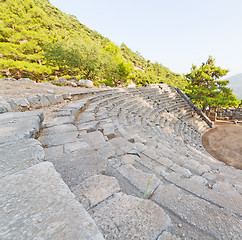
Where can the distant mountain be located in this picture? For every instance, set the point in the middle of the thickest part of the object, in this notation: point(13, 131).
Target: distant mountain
point(235, 82)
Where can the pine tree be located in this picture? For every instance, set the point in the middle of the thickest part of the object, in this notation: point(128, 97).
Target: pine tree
point(206, 90)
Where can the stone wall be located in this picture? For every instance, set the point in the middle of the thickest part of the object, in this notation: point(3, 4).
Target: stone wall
point(196, 109)
point(39, 101)
point(230, 114)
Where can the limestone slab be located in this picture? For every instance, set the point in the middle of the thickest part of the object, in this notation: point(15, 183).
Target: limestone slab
point(18, 155)
point(75, 146)
point(36, 204)
point(59, 139)
point(52, 99)
point(16, 126)
point(145, 182)
point(106, 150)
point(209, 218)
point(34, 102)
point(13, 105)
point(4, 105)
point(58, 129)
point(93, 138)
point(122, 144)
point(76, 166)
point(86, 117)
point(88, 126)
point(95, 189)
point(53, 152)
point(127, 217)
point(60, 121)
point(108, 130)
point(59, 98)
point(22, 103)
point(44, 100)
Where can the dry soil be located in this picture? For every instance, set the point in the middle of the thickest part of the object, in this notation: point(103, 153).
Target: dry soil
point(224, 142)
point(23, 89)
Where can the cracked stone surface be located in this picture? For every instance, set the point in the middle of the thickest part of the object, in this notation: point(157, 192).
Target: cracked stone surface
point(127, 217)
point(36, 204)
point(95, 189)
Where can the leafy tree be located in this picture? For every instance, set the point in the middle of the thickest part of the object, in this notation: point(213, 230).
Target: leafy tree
point(206, 90)
point(72, 59)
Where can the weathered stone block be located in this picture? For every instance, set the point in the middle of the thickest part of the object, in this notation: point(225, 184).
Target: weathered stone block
point(75, 146)
point(95, 189)
point(128, 217)
point(34, 102)
point(59, 98)
point(85, 83)
point(58, 129)
point(76, 166)
point(15, 156)
point(36, 204)
point(88, 126)
point(51, 99)
point(93, 138)
point(44, 100)
point(201, 214)
point(22, 103)
point(145, 182)
point(59, 138)
point(60, 121)
point(16, 126)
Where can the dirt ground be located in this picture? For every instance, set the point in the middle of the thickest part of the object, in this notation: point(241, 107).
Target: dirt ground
point(224, 142)
point(22, 89)
point(19, 89)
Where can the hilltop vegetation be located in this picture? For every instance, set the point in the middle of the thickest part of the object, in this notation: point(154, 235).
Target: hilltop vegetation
point(38, 41)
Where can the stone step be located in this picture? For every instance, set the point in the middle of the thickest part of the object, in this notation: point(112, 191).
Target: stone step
point(57, 138)
point(36, 203)
point(193, 210)
point(210, 219)
point(20, 125)
point(222, 194)
point(19, 155)
point(128, 217)
point(75, 166)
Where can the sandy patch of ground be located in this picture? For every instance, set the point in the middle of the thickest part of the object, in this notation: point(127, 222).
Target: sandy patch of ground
point(23, 89)
point(224, 142)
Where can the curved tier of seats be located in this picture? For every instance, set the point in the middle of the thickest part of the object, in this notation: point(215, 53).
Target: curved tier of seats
point(134, 159)
point(151, 140)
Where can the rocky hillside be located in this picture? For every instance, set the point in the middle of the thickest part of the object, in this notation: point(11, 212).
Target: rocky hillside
point(39, 41)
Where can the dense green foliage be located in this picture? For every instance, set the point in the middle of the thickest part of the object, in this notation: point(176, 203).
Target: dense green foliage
point(205, 88)
point(39, 41)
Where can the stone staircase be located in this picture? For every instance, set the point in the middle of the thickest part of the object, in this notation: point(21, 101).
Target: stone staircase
point(115, 164)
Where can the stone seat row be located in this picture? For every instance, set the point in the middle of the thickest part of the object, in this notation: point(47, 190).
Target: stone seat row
point(160, 173)
point(121, 128)
point(180, 191)
point(138, 105)
point(35, 198)
point(124, 119)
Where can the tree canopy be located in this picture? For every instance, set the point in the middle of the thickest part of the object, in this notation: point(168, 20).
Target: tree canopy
point(38, 41)
point(206, 90)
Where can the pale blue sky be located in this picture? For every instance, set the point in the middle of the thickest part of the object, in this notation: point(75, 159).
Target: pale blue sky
point(175, 33)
